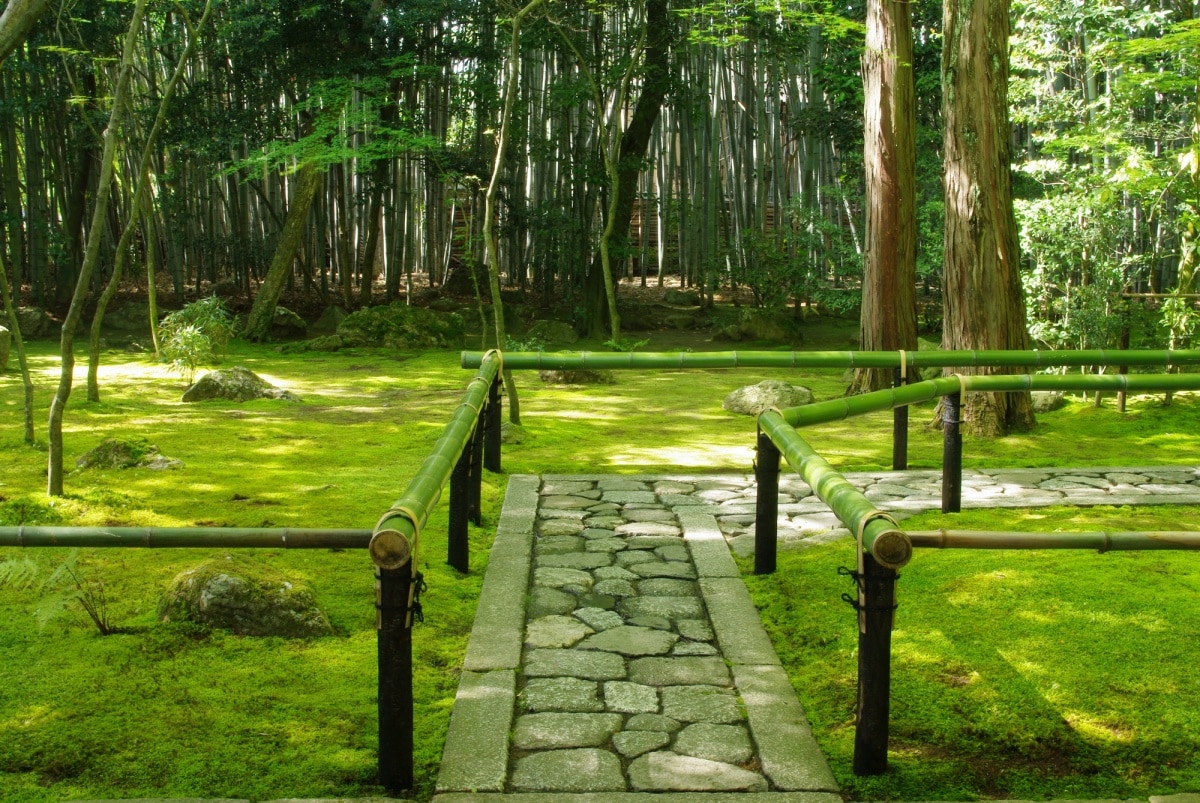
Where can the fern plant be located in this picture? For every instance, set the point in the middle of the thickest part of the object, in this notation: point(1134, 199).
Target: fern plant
point(65, 586)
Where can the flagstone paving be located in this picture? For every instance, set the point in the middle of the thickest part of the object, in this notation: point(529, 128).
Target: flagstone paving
point(616, 649)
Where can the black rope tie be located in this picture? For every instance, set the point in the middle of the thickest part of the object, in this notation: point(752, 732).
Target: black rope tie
point(418, 613)
point(853, 600)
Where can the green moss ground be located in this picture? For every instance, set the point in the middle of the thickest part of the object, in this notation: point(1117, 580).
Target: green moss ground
point(163, 710)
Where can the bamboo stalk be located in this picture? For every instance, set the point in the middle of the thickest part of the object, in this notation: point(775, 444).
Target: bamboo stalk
point(1099, 540)
point(880, 537)
point(398, 528)
point(833, 359)
point(185, 537)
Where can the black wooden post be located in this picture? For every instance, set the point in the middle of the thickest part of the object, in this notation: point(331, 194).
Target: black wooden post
point(491, 451)
point(460, 511)
point(899, 426)
point(475, 447)
point(766, 508)
point(951, 453)
point(394, 629)
point(877, 604)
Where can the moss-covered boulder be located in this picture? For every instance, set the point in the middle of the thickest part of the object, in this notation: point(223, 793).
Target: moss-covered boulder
point(246, 597)
point(134, 453)
point(757, 399)
point(553, 333)
point(585, 376)
point(35, 322)
point(235, 384)
point(400, 326)
point(287, 325)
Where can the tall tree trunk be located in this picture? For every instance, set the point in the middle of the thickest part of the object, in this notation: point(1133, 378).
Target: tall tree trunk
point(889, 306)
point(984, 305)
point(14, 325)
point(19, 16)
point(54, 483)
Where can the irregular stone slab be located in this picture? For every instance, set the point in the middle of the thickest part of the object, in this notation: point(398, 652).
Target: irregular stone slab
point(565, 502)
point(656, 622)
point(649, 514)
point(562, 694)
point(694, 648)
point(1172, 490)
point(557, 577)
point(559, 544)
point(670, 607)
point(694, 629)
point(564, 526)
point(668, 772)
point(573, 515)
point(727, 743)
point(605, 545)
point(576, 560)
point(555, 631)
point(627, 497)
point(666, 587)
point(679, 671)
point(630, 698)
point(614, 573)
point(652, 542)
point(588, 664)
point(554, 731)
point(626, 640)
point(621, 484)
point(717, 495)
point(565, 488)
point(652, 722)
point(736, 622)
point(632, 744)
point(673, 487)
point(584, 770)
point(631, 557)
point(599, 619)
point(677, 552)
point(601, 508)
point(593, 600)
point(604, 523)
point(1062, 485)
point(544, 601)
point(701, 704)
point(648, 528)
point(672, 568)
point(680, 500)
point(616, 588)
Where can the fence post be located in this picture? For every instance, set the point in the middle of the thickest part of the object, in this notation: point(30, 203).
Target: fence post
point(394, 632)
point(491, 452)
point(876, 609)
point(952, 453)
point(766, 506)
point(475, 447)
point(460, 511)
point(899, 425)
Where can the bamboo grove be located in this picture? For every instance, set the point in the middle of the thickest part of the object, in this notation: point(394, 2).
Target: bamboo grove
point(718, 142)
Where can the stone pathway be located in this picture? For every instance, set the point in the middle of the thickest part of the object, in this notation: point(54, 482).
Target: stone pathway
point(616, 649)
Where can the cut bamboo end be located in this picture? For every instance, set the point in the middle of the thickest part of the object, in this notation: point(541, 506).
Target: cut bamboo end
point(892, 549)
point(390, 549)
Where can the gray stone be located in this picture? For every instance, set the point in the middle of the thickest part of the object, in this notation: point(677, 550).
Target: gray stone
point(717, 495)
point(666, 587)
point(701, 703)
point(561, 771)
point(235, 384)
point(544, 601)
point(555, 577)
point(677, 552)
point(736, 622)
point(566, 502)
point(756, 399)
point(660, 528)
point(1168, 490)
point(667, 772)
point(246, 597)
point(694, 629)
point(609, 545)
point(566, 487)
point(553, 333)
point(563, 526)
point(616, 588)
point(649, 514)
point(552, 731)
point(685, 648)
point(555, 631)
point(562, 694)
point(1120, 478)
point(588, 664)
point(610, 483)
point(599, 619)
point(632, 744)
point(626, 640)
point(679, 671)
point(674, 487)
point(669, 607)
point(652, 722)
point(476, 753)
point(559, 544)
point(652, 542)
point(630, 698)
point(727, 743)
point(676, 569)
point(614, 573)
point(1046, 401)
point(627, 497)
point(575, 560)
point(655, 622)
point(593, 600)
point(604, 523)
point(132, 453)
point(632, 557)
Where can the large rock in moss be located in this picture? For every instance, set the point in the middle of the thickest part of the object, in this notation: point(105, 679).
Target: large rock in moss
point(402, 327)
point(136, 453)
point(235, 384)
point(757, 399)
point(35, 322)
point(553, 333)
point(583, 376)
point(246, 597)
point(287, 325)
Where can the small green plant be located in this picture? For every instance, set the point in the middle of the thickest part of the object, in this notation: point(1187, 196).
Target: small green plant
point(526, 344)
point(625, 344)
point(66, 585)
point(195, 335)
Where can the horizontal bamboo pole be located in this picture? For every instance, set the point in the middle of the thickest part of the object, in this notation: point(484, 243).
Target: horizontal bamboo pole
point(887, 544)
point(1037, 358)
point(185, 537)
point(398, 528)
point(1099, 540)
point(849, 406)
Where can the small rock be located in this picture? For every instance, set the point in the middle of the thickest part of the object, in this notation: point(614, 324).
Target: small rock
point(632, 744)
point(756, 399)
point(626, 640)
point(726, 743)
point(555, 631)
point(669, 772)
point(560, 771)
point(236, 384)
point(552, 731)
point(630, 698)
point(562, 694)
